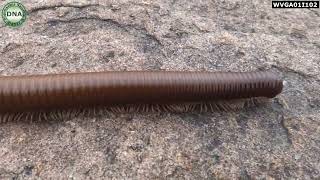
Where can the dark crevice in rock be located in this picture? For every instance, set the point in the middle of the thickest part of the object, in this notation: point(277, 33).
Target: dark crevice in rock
point(10, 47)
point(289, 70)
point(42, 8)
point(125, 27)
point(286, 130)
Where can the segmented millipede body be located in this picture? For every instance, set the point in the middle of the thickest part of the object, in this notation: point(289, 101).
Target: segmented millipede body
point(79, 90)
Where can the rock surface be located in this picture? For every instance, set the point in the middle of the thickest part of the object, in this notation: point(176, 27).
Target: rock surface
point(279, 141)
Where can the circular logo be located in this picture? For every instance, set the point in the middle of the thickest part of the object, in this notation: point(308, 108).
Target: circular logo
point(14, 14)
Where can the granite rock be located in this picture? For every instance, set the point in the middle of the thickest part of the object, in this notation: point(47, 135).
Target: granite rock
point(278, 141)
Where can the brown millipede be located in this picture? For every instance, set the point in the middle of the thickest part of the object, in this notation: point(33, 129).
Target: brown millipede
point(42, 93)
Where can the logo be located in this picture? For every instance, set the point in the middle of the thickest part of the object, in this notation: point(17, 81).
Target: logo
point(14, 14)
point(295, 4)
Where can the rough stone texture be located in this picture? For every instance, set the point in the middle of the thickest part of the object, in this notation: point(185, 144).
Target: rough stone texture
point(280, 141)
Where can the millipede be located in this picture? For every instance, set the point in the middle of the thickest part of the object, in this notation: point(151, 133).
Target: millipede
point(44, 96)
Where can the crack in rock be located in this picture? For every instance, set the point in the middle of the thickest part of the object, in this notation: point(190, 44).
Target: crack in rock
point(125, 27)
point(42, 8)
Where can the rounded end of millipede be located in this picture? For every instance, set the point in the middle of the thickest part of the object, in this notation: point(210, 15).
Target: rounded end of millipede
point(277, 84)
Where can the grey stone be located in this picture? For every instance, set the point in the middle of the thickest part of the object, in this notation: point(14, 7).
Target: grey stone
point(279, 141)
